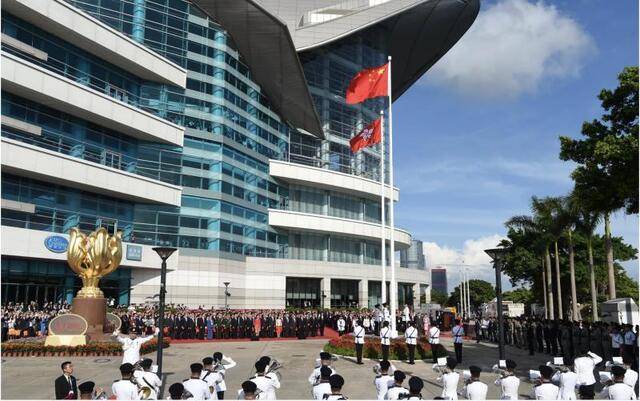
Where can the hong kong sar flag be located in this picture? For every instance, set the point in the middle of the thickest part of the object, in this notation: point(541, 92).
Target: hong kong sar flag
point(368, 83)
point(369, 136)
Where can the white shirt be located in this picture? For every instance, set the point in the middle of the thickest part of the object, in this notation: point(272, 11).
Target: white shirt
point(567, 383)
point(394, 392)
point(222, 386)
point(449, 383)
point(385, 333)
point(125, 390)
point(332, 397)
point(630, 378)
point(212, 379)
point(545, 391)
point(476, 390)
point(314, 377)
point(198, 388)
point(268, 384)
point(584, 366)
point(341, 324)
point(148, 379)
point(616, 340)
point(509, 386)
point(358, 334)
point(320, 389)
point(618, 391)
point(434, 335)
point(405, 314)
point(382, 385)
point(131, 348)
point(457, 332)
point(410, 335)
point(386, 314)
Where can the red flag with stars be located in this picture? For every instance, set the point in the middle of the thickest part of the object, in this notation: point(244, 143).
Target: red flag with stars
point(368, 83)
point(369, 136)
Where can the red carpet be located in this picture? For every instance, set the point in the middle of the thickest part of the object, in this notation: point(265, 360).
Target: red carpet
point(328, 335)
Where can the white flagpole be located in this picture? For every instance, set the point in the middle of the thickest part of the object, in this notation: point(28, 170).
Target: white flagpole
point(468, 293)
point(463, 298)
point(392, 249)
point(383, 234)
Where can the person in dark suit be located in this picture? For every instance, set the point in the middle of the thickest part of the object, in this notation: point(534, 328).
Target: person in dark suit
point(66, 385)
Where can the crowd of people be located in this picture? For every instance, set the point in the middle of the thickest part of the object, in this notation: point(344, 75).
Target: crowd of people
point(21, 320)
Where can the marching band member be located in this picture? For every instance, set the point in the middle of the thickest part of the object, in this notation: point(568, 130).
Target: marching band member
point(267, 383)
point(198, 388)
point(584, 366)
point(566, 379)
point(411, 338)
point(383, 380)
point(87, 391)
point(415, 387)
point(358, 335)
point(630, 376)
point(211, 376)
point(221, 367)
point(322, 386)
point(449, 380)
point(131, 345)
point(385, 340)
point(618, 390)
point(249, 391)
point(325, 360)
point(508, 382)
point(124, 389)
point(474, 389)
point(146, 378)
point(175, 391)
point(545, 390)
point(396, 391)
point(336, 382)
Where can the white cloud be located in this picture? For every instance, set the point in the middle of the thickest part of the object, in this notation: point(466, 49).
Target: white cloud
point(513, 46)
point(471, 254)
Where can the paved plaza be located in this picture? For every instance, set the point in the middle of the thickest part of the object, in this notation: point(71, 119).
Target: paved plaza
point(33, 377)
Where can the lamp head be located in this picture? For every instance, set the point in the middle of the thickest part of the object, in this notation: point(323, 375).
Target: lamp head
point(164, 252)
point(495, 253)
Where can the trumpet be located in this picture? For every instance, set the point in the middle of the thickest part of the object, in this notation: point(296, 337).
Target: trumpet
point(273, 367)
point(500, 371)
point(441, 369)
point(378, 371)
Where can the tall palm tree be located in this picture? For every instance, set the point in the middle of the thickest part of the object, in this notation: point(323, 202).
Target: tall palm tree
point(568, 219)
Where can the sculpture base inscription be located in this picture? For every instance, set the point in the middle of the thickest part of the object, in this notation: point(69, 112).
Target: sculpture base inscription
point(94, 311)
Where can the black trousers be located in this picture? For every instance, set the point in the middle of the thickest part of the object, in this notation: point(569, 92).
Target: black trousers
point(412, 352)
point(221, 395)
point(435, 352)
point(385, 352)
point(587, 392)
point(540, 344)
point(458, 349)
point(359, 348)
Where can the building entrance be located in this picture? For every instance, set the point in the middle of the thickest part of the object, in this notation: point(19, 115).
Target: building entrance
point(303, 293)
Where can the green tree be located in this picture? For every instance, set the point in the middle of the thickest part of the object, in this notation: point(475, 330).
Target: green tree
point(521, 295)
point(607, 157)
point(438, 297)
point(480, 292)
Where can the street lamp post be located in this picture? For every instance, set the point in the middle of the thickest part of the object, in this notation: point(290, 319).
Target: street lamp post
point(226, 295)
point(164, 254)
point(496, 255)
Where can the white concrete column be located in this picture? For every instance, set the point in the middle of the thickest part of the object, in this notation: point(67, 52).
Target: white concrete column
point(416, 296)
point(363, 293)
point(325, 286)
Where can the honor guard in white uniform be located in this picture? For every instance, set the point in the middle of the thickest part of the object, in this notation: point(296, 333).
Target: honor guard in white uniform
point(325, 360)
point(434, 341)
point(267, 383)
point(322, 386)
point(358, 336)
point(211, 376)
point(566, 379)
point(449, 379)
point(385, 340)
point(474, 389)
point(545, 390)
point(124, 389)
point(386, 315)
point(406, 316)
point(131, 345)
point(618, 390)
point(341, 326)
point(222, 363)
point(584, 366)
point(396, 391)
point(411, 338)
point(383, 380)
point(198, 388)
point(336, 382)
point(147, 379)
point(508, 382)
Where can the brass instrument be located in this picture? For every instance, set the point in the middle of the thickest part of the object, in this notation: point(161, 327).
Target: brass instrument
point(273, 367)
point(377, 370)
point(501, 371)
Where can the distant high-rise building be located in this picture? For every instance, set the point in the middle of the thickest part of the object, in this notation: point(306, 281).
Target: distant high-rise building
point(439, 280)
point(413, 257)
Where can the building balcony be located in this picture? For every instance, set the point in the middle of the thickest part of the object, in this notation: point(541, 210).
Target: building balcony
point(334, 225)
point(31, 161)
point(34, 82)
point(323, 178)
point(67, 22)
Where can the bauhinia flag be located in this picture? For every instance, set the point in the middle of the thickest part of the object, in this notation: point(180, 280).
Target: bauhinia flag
point(369, 136)
point(368, 83)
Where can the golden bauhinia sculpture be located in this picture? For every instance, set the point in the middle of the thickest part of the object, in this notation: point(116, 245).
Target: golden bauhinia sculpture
point(92, 257)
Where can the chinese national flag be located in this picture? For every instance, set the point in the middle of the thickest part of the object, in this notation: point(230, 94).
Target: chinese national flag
point(369, 136)
point(368, 83)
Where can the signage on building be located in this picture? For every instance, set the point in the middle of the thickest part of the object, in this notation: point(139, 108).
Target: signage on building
point(134, 252)
point(56, 243)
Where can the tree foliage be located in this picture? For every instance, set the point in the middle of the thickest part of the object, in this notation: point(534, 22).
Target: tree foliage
point(438, 297)
point(480, 292)
point(521, 295)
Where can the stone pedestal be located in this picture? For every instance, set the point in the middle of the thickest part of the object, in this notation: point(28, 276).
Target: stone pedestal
point(94, 311)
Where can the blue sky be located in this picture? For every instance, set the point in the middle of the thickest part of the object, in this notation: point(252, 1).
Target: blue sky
point(477, 136)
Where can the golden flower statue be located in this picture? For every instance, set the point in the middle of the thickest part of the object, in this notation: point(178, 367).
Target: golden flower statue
point(92, 257)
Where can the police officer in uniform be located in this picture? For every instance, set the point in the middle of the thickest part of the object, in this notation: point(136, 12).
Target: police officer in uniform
point(358, 335)
point(124, 389)
point(434, 341)
point(385, 340)
point(411, 338)
point(458, 333)
point(198, 388)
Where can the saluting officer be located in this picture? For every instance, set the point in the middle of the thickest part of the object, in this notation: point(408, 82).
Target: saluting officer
point(411, 338)
point(358, 335)
point(458, 333)
point(385, 340)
